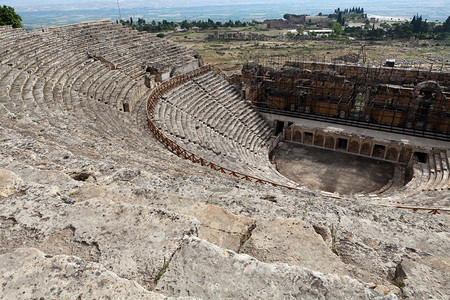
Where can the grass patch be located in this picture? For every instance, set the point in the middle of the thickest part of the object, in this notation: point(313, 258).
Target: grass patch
point(246, 236)
point(398, 282)
point(162, 271)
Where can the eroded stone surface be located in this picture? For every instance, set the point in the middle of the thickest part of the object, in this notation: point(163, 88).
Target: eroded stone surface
point(28, 273)
point(294, 242)
point(9, 182)
point(427, 278)
point(131, 240)
point(204, 270)
point(219, 226)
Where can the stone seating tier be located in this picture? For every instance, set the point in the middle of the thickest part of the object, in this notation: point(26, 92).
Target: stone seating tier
point(203, 115)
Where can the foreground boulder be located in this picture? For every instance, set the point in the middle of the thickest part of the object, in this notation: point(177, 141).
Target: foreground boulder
point(9, 182)
point(133, 241)
point(28, 273)
point(294, 242)
point(201, 269)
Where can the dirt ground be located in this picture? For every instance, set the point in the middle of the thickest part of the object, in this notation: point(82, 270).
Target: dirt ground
point(331, 171)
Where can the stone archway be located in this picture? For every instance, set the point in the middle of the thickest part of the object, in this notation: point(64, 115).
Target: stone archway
point(427, 95)
point(329, 142)
point(319, 140)
point(366, 149)
point(297, 136)
point(392, 154)
point(354, 146)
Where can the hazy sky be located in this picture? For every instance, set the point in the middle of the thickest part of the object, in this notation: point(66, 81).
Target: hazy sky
point(24, 5)
point(432, 9)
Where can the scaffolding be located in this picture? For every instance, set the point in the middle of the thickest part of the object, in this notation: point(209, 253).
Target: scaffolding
point(382, 98)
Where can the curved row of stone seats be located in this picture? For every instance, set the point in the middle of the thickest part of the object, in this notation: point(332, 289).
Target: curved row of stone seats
point(64, 87)
point(218, 144)
point(430, 179)
point(22, 63)
point(53, 87)
point(46, 76)
point(226, 94)
point(104, 120)
point(223, 131)
point(432, 175)
point(94, 89)
point(8, 28)
point(438, 170)
point(223, 153)
point(17, 39)
point(180, 125)
point(70, 91)
point(43, 82)
point(158, 50)
point(89, 82)
point(24, 78)
point(128, 50)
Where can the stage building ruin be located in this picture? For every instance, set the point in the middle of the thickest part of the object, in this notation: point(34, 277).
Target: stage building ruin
point(406, 101)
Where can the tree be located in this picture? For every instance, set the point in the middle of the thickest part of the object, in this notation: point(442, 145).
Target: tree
point(385, 25)
point(9, 17)
point(446, 25)
point(340, 18)
point(337, 28)
point(141, 22)
point(185, 25)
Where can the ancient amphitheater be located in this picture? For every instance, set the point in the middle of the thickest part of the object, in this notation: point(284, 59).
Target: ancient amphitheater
point(130, 168)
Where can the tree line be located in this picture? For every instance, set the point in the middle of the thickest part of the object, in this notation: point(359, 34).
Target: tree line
point(158, 26)
point(358, 10)
point(417, 28)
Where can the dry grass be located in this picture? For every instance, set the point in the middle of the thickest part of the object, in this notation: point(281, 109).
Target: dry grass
point(230, 55)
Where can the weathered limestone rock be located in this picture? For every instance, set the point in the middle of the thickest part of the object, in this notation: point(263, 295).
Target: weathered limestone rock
point(425, 279)
point(293, 242)
point(201, 269)
point(220, 227)
point(28, 273)
point(375, 249)
point(217, 225)
point(9, 182)
point(131, 240)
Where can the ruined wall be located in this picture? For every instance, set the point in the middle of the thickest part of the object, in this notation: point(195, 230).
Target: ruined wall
point(377, 74)
point(385, 150)
point(396, 97)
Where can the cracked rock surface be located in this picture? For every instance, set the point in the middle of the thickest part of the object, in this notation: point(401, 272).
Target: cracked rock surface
point(204, 270)
point(28, 273)
point(130, 240)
